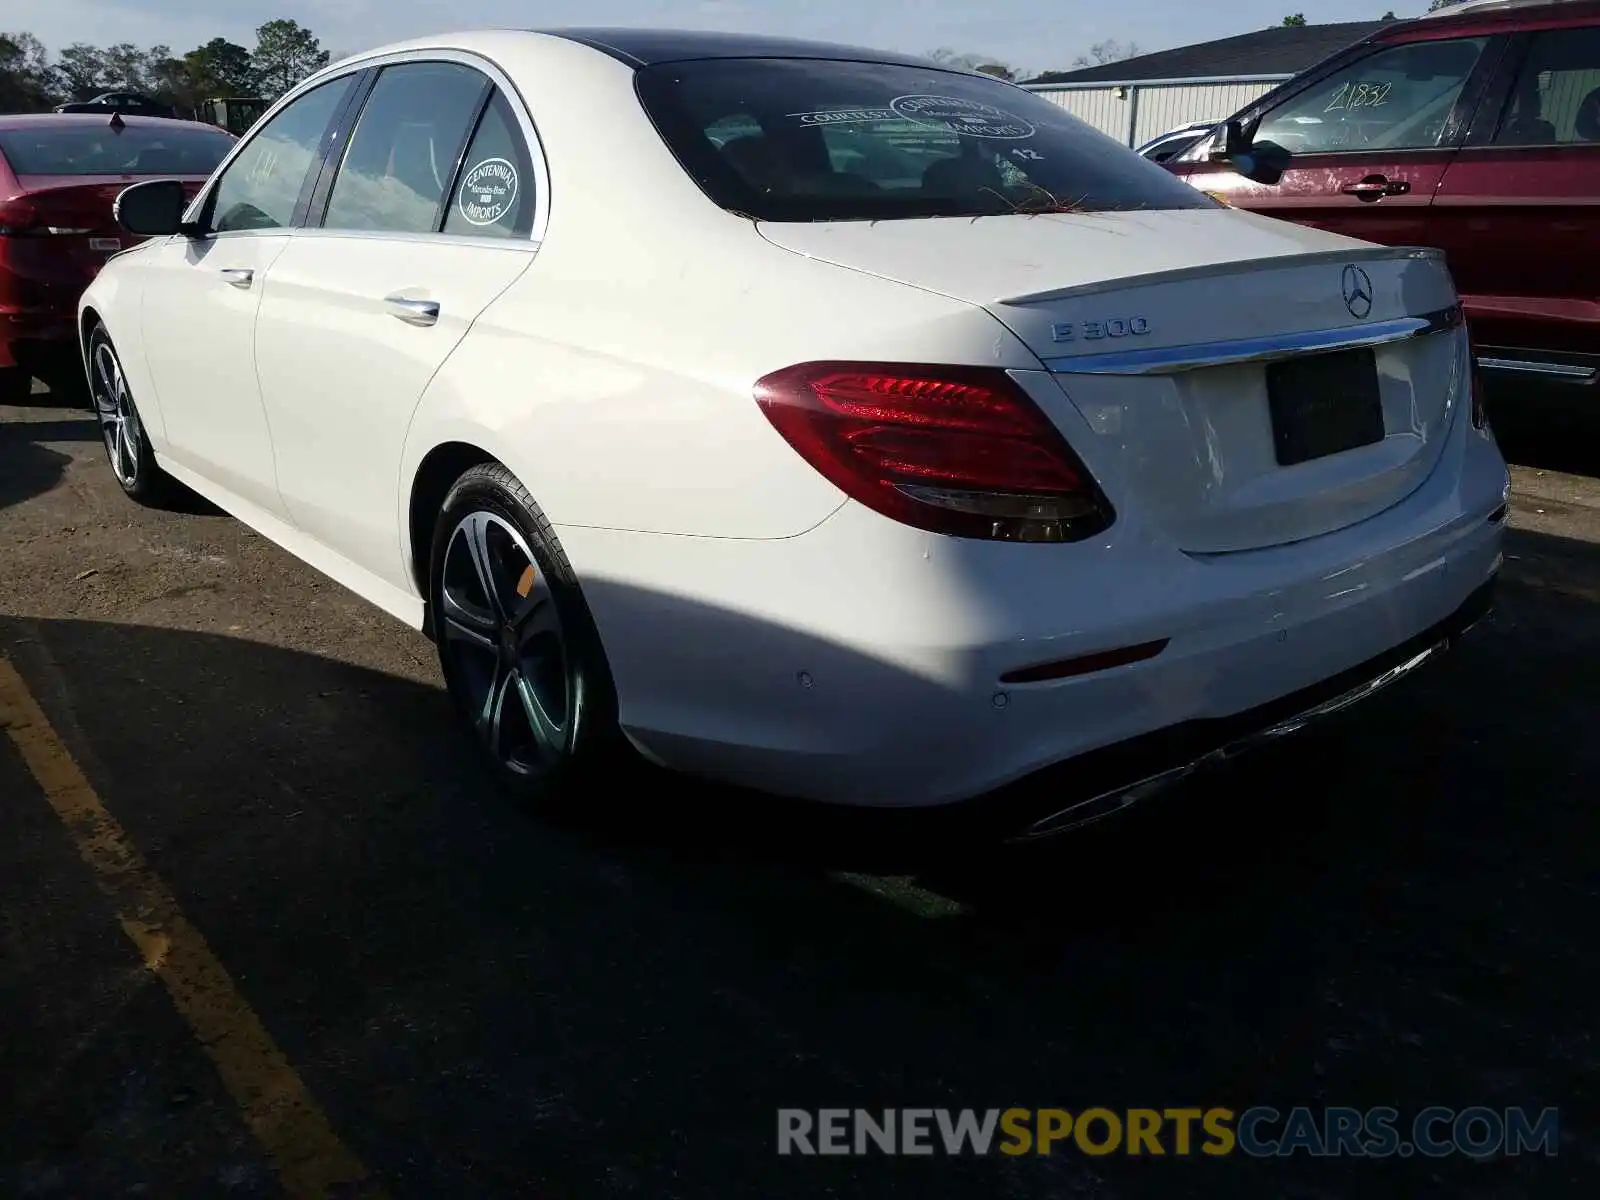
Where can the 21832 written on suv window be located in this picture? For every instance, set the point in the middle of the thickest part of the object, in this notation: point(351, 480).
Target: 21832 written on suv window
point(1396, 99)
point(810, 140)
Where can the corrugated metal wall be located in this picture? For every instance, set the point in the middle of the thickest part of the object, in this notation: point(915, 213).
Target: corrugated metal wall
point(1164, 108)
point(1098, 106)
point(1136, 111)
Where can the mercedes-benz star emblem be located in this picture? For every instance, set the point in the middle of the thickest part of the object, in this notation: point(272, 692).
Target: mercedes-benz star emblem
point(1357, 289)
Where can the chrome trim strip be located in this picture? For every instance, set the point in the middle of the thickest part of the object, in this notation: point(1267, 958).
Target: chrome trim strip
point(1097, 808)
point(1527, 366)
point(395, 56)
point(1170, 360)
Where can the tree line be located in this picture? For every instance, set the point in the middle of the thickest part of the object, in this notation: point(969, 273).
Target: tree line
point(34, 80)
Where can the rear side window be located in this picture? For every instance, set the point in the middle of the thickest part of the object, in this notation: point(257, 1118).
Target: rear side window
point(494, 195)
point(1556, 99)
point(75, 149)
point(811, 139)
point(1401, 98)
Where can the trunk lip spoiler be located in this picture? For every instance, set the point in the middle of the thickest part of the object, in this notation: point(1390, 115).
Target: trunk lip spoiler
point(1311, 258)
point(1172, 360)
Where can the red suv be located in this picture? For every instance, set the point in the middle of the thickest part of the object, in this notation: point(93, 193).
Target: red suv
point(1475, 130)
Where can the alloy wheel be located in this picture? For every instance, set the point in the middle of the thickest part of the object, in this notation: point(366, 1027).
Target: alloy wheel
point(119, 419)
point(502, 632)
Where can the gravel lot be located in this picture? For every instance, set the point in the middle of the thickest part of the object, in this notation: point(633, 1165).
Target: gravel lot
point(1398, 910)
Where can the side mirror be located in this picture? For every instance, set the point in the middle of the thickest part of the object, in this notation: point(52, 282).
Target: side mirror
point(1228, 142)
point(1264, 163)
point(153, 209)
point(1260, 162)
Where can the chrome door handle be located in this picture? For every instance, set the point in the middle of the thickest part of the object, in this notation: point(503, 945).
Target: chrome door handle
point(240, 277)
point(412, 312)
point(1376, 187)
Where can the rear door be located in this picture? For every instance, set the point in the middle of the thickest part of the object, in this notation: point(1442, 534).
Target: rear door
point(1370, 139)
point(430, 216)
point(1519, 210)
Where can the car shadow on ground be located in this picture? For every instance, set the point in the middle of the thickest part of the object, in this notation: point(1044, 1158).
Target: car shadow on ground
point(617, 996)
point(28, 467)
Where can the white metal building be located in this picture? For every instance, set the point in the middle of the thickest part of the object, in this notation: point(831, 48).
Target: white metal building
point(1141, 98)
point(1135, 110)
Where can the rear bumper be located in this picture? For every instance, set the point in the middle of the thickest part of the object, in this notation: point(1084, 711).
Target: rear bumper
point(1106, 781)
point(28, 336)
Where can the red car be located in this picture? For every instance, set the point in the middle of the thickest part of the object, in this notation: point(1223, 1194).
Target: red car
point(1475, 130)
point(59, 175)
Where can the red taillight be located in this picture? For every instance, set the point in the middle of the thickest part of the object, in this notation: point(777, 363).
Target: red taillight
point(17, 217)
point(954, 450)
point(26, 218)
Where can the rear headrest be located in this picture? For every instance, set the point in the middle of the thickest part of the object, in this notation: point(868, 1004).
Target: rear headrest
point(1587, 123)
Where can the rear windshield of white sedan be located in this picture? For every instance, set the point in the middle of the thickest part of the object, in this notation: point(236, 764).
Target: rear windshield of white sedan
point(77, 149)
point(784, 139)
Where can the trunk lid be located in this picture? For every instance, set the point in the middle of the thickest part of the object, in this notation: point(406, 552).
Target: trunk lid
point(72, 229)
point(1233, 398)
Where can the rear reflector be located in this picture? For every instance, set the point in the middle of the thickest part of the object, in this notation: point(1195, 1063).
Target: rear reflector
point(1086, 664)
point(954, 450)
point(1480, 414)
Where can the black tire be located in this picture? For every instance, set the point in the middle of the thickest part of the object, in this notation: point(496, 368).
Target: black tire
point(132, 462)
point(16, 385)
point(533, 668)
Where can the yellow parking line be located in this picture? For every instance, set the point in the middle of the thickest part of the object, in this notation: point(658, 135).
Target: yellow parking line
point(299, 1141)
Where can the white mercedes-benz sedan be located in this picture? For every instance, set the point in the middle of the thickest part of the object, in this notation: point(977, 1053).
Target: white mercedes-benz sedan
point(811, 418)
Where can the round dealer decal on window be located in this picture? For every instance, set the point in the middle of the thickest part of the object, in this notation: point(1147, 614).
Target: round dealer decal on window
point(962, 116)
point(488, 191)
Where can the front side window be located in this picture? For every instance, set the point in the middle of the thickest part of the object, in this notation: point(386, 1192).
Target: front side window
point(821, 139)
point(261, 187)
point(1556, 99)
point(403, 152)
point(1173, 147)
point(1397, 99)
point(74, 149)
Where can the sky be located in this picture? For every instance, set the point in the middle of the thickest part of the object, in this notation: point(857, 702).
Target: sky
point(1028, 35)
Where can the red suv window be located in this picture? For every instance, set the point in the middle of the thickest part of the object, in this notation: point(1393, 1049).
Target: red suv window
point(1556, 98)
point(1397, 99)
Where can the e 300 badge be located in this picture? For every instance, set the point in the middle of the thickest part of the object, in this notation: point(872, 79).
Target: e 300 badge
point(1093, 331)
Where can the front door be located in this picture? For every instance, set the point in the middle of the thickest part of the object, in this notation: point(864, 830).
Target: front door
point(1370, 142)
point(203, 294)
point(428, 220)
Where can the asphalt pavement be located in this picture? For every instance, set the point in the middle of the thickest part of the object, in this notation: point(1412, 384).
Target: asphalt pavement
point(265, 929)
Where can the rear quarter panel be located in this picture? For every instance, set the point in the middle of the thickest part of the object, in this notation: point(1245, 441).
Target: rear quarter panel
point(628, 403)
